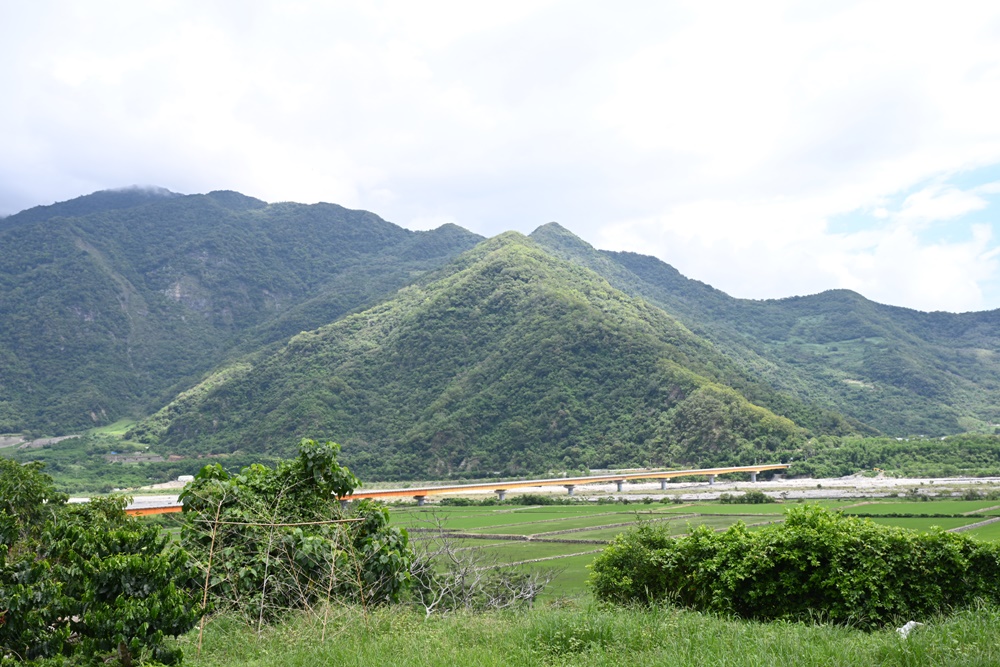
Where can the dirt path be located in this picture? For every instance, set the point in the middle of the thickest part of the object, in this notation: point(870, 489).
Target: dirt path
point(978, 524)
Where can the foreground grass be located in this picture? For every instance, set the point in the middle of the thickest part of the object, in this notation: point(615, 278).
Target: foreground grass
point(588, 635)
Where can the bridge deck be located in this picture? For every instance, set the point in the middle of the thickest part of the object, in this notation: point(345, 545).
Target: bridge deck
point(421, 492)
point(558, 481)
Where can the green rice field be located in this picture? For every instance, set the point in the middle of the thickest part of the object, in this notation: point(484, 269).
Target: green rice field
point(565, 537)
point(990, 533)
point(924, 523)
point(988, 507)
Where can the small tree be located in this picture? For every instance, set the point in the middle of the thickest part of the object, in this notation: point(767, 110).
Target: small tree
point(270, 540)
point(28, 498)
point(749, 498)
point(86, 579)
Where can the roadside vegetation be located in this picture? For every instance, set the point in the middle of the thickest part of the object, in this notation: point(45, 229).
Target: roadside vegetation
point(814, 564)
point(288, 576)
point(567, 627)
point(587, 634)
point(86, 582)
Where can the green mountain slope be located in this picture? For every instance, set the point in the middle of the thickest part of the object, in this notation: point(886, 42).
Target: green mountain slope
point(519, 356)
point(506, 361)
point(111, 302)
point(898, 370)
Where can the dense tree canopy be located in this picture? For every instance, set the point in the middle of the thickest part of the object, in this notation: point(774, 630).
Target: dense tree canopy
point(86, 580)
point(111, 301)
point(509, 360)
point(242, 324)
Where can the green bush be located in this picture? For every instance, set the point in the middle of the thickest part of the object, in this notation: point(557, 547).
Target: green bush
point(458, 502)
point(86, 581)
point(277, 538)
point(748, 498)
point(817, 564)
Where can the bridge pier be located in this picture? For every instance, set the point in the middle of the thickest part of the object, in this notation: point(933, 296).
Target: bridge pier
point(569, 488)
point(620, 482)
point(753, 477)
point(663, 484)
point(420, 500)
point(343, 504)
point(501, 494)
point(711, 479)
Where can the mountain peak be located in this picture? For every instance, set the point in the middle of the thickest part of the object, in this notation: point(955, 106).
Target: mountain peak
point(561, 241)
point(507, 359)
point(96, 202)
point(552, 227)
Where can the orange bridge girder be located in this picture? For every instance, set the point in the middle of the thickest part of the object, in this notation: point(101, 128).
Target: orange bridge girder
point(500, 488)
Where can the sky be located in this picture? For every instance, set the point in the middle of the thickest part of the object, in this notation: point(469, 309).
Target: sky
point(769, 149)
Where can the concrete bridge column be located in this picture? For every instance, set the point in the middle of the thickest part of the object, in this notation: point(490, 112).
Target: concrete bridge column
point(569, 488)
point(501, 494)
point(663, 484)
point(619, 482)
point(711, 479)
point(420, 500)
point(753, 477)
point(343, 504)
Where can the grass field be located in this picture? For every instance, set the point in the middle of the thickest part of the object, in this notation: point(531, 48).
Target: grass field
point(990, 533)
point(117, 429)
point(924, 524)
point(928, 507)
point(589, 521)
point(586, 635)
point(566, 627)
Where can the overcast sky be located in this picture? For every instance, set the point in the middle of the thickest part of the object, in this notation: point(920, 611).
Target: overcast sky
point(769, 149)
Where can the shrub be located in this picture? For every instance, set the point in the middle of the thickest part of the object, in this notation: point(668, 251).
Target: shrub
point(457, 502)
point(85, 580)
point(816, 564)
point(277, 538)
point(540, 499)
point(748, 498)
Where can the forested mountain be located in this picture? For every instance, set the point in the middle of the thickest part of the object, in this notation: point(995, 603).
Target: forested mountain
point(507, 360)
point(897, 370)
point(111, 303)
point(439, 353)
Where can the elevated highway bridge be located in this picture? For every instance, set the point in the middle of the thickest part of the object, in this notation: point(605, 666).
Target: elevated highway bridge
point(420, 493)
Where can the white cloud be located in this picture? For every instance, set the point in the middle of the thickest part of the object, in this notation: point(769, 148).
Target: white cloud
point(722, 136)
point(761, 249)
point(988, 188)
point(939, 203)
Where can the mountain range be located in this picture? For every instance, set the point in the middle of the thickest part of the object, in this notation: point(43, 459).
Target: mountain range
point(226, 324)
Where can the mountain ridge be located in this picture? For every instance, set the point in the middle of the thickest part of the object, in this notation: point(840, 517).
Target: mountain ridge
point(109, 312)
point(831, 348)
point(504, 360)
point(116, 302)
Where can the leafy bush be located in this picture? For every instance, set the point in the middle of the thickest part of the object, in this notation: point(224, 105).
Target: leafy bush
point(540, 499)
point(458, 502)
point(86, 580)
point(273, 539)
point(748, 498)
point(816, 564)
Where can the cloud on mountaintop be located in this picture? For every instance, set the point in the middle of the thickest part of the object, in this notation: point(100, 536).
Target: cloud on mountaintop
point(733, 142)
